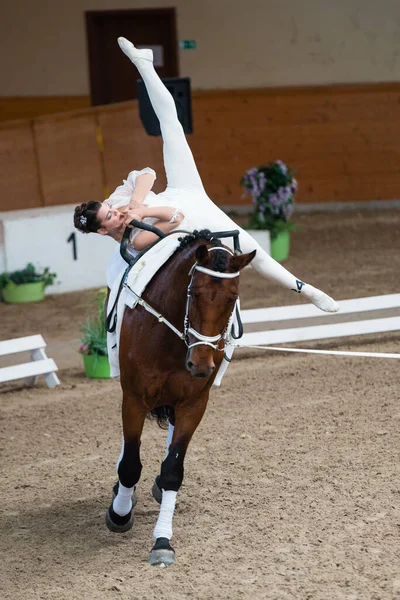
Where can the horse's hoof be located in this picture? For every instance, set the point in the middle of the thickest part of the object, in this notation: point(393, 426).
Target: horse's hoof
point(162, 554)
point(115, 492)
point(118, 524)
point(156, 490)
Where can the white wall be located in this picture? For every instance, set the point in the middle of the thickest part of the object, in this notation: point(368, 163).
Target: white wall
point(40, 236)
point(241, 43)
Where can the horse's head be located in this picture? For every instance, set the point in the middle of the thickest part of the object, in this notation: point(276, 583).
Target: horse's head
point(212, 294)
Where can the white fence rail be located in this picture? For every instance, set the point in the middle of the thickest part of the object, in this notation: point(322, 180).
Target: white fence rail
point(273, 315)
point(38, 365)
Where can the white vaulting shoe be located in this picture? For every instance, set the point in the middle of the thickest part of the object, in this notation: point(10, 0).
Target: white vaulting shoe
point(134, 54)
point(320, 299)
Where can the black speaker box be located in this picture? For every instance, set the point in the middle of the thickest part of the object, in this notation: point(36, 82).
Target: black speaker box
point(179, 87)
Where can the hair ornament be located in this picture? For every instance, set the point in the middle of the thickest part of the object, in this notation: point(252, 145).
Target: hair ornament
point(82, 220)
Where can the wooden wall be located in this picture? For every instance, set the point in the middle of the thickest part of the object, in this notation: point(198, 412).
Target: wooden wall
point(29, 107)
point(342, 141)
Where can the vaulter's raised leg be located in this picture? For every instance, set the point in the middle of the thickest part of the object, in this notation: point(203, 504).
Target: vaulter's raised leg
point(263, 263)
point(171, 477)
point(119, 516)
point(179, 163)
point(182, 173)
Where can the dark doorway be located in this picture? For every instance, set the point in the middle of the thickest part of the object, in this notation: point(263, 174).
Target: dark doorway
point(112, 76)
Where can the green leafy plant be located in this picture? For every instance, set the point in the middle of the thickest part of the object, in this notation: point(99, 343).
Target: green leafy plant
point(272, 188)
point(28, 275)
point(94, 335)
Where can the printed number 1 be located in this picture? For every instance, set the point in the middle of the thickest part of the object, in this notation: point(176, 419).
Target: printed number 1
point(72, 238)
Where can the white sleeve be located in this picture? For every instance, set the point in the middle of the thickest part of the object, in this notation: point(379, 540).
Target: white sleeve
point(133, 175)
point(122, 195)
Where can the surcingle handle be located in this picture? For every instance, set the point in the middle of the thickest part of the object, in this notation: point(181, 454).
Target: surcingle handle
point(234, 234)
point(125, 238)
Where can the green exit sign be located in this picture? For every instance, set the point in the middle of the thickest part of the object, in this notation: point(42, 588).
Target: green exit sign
point(187, 44)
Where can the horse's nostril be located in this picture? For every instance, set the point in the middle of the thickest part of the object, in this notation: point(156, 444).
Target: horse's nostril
point(189, 364)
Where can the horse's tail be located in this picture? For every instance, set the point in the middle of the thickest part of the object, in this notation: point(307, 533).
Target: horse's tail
point(164, 415)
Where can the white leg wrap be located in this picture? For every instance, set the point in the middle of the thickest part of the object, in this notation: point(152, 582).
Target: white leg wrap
point(163, 526)
point(169, 438)
point(123, 501)
point(224, 365)
point(229, 348)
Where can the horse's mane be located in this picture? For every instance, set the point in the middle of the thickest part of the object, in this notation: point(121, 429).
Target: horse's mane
point(203, 234)
point(219, 259)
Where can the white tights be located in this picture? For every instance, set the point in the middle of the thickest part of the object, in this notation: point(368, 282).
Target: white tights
point(182, 175)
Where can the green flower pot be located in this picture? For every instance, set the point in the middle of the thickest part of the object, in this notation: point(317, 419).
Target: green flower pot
point(280, 246)
point(23, 292)
point(96, 366)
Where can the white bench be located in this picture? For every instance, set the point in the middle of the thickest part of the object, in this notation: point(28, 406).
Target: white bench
point(315, 332)
point(38, 365)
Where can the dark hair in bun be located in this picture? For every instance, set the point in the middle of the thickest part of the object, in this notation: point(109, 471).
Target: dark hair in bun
point(85, 217)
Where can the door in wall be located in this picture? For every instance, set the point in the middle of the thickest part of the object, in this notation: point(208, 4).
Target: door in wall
point(112, 75)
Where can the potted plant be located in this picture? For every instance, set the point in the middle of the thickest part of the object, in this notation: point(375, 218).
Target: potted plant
point(27, 285)
point(272, 189)
point(94, 341)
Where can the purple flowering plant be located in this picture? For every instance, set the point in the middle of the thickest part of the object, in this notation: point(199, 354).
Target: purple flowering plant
point(272, 188)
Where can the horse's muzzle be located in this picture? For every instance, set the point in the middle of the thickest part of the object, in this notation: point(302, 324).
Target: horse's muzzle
point(202, 367)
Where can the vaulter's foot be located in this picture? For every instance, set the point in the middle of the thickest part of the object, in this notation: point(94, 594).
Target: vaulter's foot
point(134, 54)
point(320, 299)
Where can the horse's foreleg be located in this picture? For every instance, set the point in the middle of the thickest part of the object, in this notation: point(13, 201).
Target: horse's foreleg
point(119, 517)
point(171, 428)
point(170, 480)
point(156, 489)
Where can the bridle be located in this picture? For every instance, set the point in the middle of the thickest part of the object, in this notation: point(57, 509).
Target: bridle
point(188, 330)
point(206, 340)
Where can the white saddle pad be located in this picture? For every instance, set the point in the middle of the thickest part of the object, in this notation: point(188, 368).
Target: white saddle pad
point(139, 276)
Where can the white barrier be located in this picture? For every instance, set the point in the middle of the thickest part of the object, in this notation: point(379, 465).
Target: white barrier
point(46, 237)
point(315, 332)
point(39, 365)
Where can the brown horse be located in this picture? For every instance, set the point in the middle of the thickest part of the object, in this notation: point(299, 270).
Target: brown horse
point(168, 369)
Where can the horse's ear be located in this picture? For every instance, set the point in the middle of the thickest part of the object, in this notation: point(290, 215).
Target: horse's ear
point(201, 253)
point(240, 261)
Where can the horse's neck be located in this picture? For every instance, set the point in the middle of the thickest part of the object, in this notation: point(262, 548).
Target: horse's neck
point(172, 281)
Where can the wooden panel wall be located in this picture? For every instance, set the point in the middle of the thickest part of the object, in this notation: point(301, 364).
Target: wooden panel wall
point(127, 146)
point(69, 158)
point(19, 173)
point(342, 141)
point(29, 107)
